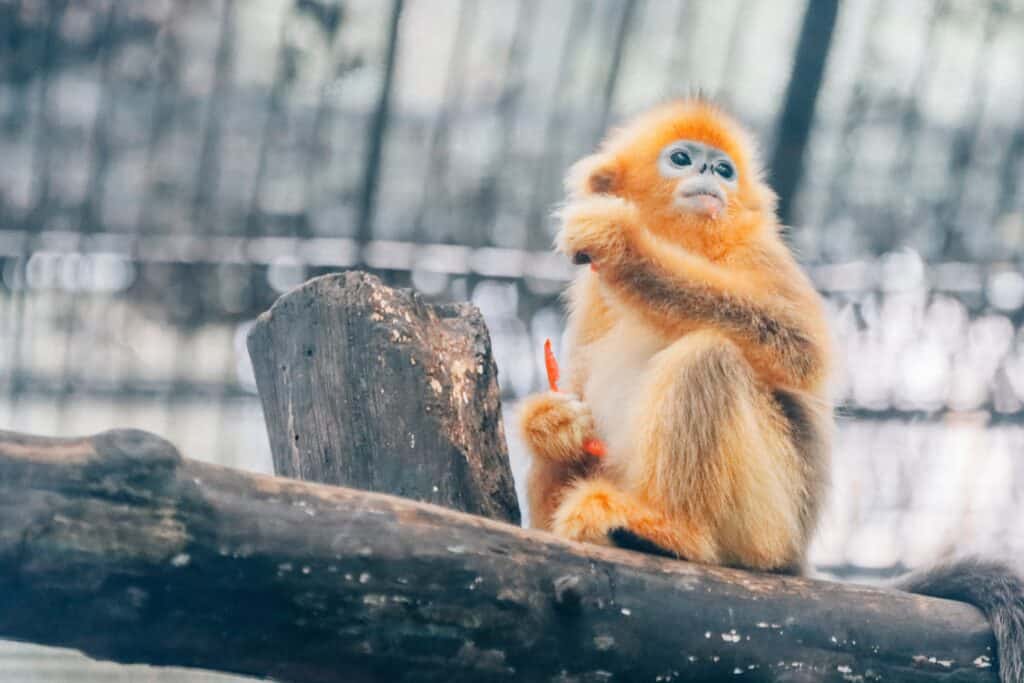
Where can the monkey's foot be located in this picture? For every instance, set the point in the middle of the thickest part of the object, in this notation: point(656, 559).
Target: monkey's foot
point(589, 511)
point(621, 537)
point(596, 511)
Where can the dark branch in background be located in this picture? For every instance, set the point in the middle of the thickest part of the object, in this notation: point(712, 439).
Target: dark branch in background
point(965, 146)
point(378, 126)
point(549, 169)
point(119, 547)
point(284, 77)
point(615, 65)
point(434, 192)
point(797, 117)
point(100, 138)
point(208, 170)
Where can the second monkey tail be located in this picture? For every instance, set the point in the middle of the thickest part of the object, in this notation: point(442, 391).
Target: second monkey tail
point(995, 589)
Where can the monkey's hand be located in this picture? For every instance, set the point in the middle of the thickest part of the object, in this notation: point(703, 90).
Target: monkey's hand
point(673, 287)
point(597, 229)
point(556, 426)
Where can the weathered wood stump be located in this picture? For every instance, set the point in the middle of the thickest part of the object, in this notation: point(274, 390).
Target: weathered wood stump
point(371, 387)
point(118, 546)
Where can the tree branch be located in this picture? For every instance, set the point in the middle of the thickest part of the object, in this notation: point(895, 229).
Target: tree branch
point(119, 547)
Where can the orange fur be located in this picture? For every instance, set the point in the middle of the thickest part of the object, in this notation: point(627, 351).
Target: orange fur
point(593, 506)
point(556, 425)
point(701, 351)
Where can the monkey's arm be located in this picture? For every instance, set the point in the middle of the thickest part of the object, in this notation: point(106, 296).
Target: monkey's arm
point(555, 427)
point(768, 308)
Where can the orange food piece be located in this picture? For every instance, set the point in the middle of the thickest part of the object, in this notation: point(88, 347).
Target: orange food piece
point(594, 447)
point(551, 364)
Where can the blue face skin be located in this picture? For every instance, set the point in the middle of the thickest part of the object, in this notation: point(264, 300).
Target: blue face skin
point(705, 176)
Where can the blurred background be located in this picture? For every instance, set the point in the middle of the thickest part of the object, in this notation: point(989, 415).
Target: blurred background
point(169, 167)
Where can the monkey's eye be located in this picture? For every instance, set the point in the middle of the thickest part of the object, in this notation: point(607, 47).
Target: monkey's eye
point(725, 170)
point(680, 158)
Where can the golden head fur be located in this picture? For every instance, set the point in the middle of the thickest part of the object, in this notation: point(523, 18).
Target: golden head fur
point(626, 166)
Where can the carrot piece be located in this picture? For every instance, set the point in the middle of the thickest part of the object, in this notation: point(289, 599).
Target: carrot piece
point(551, 364)
point(594, 447)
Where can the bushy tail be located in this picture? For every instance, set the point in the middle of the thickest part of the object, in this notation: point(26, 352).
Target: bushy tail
point(993, 588)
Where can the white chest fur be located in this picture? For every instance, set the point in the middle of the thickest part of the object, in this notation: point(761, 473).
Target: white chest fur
point(618, 363)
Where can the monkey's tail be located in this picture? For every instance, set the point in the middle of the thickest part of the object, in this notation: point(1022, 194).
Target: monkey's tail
point(992, 587)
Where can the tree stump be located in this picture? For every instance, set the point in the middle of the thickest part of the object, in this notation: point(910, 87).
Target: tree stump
point(368, 386)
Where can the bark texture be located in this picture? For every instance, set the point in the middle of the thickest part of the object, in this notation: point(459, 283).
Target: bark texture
point(119, 547)
point(370, 387)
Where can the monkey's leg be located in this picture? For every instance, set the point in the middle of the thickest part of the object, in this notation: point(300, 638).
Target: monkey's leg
point(597, 511)
point(714, 454)
point(554, 426)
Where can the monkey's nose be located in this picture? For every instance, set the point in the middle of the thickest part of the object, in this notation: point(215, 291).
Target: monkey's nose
point(703, 168)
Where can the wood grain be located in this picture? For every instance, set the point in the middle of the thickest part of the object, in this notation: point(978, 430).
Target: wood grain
point(119, 547)
point(370, 387)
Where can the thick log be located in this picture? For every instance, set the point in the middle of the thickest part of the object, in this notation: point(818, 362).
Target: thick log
point(119, 547)
point(370, 387)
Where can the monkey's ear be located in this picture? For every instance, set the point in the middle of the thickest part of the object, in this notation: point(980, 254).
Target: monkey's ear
point(595, 174)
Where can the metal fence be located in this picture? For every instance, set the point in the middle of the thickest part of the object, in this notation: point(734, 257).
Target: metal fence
point(168, 167)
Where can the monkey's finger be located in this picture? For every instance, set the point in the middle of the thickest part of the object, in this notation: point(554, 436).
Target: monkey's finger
point(551, 365)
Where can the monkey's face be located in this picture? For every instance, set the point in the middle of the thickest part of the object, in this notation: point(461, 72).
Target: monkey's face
point(690, 170)
point(702, 177)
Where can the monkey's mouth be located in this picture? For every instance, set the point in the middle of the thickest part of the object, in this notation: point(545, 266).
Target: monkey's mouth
point(706, 201)
point(716, 194)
